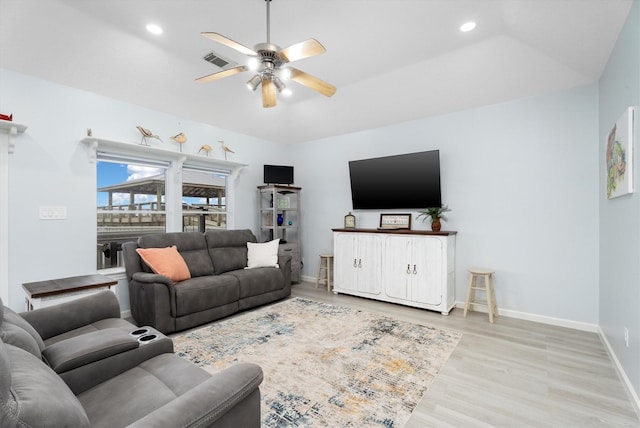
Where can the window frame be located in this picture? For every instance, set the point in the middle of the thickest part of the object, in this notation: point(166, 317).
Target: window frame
point(100, 149)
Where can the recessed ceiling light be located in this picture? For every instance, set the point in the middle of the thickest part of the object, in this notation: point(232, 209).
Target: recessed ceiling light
point(467, 26)
point(154, 29)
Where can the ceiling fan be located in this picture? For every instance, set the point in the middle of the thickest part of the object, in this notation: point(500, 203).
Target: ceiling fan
point(269, 63)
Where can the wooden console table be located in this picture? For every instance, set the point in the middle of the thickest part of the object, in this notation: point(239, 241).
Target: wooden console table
point(54, 291)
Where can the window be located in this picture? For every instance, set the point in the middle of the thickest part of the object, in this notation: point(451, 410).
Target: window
point(130, 204)
point(143, 189)
point(203, 200)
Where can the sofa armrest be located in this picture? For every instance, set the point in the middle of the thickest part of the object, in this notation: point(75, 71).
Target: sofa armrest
point(229, 398)
point(54, 320)
point(152, 301)
point(284, 262)
point(87, 348)
point(150, 278)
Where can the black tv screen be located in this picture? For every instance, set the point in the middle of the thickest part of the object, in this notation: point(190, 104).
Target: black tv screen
point(278, 174)
point(403, 181)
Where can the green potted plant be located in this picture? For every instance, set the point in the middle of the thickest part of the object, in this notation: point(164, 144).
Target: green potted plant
point(435, 214)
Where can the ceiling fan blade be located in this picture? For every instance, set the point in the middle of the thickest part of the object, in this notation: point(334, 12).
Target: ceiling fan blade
point(311, 82)
point(230, 43)
point(306, 49)
point(221, 74)
point(268, 93)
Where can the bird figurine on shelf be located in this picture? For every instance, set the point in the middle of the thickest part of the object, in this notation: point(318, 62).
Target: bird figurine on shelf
point(180, 139)
point(225, 149)
point(147, 134)
point(207, 149)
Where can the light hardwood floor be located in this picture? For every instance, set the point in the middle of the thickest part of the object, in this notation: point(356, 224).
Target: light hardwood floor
point(512, 373)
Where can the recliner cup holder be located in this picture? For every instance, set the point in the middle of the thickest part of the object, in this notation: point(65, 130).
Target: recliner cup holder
point(147, 338)
point(139, 332)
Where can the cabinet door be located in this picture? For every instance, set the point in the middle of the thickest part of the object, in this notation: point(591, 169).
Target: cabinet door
point(397, 266)
point(369, 262)
point(426, 283)
point(346, 261)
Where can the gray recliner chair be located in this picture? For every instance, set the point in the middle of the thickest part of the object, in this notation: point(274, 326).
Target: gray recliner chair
point(78, 364)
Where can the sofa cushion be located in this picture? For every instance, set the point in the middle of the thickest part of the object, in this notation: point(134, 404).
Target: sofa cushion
point(139, 391)
point(205, 292)
point(18, 332)
point(258, 281)
point(165, 261)
point(192, 246)
point(228, 248)
point(33, 395)
point(262, 255)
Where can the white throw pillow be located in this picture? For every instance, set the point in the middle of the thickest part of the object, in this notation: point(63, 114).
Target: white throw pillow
point(262, 255)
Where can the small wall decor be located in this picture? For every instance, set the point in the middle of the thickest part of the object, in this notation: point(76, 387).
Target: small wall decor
point(350, 221)
point(206, 148)
point(619, 156)
point(395, 221)
point(225, 149)
point(180, 138)
point(147, 134)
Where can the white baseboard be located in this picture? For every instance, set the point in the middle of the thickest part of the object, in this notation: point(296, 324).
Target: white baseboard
point(633, 395)
point(560, 322)
point(125, 314)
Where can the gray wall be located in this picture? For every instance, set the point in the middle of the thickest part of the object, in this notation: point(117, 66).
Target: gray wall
point(619, 293)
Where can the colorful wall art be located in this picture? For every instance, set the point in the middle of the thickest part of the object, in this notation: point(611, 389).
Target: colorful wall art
point(619, 156)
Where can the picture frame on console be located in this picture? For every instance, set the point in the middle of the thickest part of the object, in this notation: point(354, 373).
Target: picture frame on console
point(395, 221)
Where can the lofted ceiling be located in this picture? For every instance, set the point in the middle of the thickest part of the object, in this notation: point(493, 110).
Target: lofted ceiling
point(391, 60)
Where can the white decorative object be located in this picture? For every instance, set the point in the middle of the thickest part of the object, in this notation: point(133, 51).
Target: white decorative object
point(262, 255)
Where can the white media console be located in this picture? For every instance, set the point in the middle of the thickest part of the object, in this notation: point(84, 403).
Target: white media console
point(409, 267)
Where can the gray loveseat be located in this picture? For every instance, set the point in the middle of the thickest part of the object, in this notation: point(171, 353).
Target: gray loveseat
point(219, 285)
point(78, 364)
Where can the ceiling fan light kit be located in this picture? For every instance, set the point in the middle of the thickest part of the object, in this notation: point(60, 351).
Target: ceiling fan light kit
point(268, 61)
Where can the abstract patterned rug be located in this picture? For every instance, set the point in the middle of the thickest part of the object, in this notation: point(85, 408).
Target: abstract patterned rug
point(326, 365)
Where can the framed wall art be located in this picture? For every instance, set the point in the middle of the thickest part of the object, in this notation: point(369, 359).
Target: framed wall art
point(619, 156)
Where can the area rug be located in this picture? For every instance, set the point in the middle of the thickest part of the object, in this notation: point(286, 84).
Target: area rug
point(326, 365)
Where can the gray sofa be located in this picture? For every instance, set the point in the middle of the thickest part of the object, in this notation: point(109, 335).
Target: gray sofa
point(219, 285)
point(102, 373)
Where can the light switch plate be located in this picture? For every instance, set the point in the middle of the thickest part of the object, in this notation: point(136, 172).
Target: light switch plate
point(53, 213)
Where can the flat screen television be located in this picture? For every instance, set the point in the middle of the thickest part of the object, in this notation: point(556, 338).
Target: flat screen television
point(278, 174)
point(406, 181)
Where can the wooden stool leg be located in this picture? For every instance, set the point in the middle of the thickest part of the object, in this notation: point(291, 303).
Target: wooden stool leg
point(319, 271)
point(490, 304)
point(469, 290)
point(328, 274)
point(493, 297)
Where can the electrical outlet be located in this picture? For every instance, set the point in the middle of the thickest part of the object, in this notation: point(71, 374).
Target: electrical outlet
point(626, 337)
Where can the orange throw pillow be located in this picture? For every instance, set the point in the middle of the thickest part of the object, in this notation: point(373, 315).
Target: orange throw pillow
point(166, 261)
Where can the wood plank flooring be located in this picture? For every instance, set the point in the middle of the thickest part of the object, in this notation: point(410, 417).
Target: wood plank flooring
point(512, 373)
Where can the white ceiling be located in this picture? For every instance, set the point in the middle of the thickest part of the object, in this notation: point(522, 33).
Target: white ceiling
point(391, 60)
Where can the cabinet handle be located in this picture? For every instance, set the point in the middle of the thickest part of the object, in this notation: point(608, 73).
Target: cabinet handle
point(415, 271)
point(408, 269)
point(359, 263)
point(355, 263)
